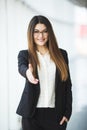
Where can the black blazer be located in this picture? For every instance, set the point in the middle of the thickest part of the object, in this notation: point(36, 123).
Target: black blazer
point(63, 92)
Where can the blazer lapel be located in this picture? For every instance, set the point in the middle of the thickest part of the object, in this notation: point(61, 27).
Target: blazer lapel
point(57, 78)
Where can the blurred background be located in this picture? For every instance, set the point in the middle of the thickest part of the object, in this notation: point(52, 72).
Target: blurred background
point(69, 20)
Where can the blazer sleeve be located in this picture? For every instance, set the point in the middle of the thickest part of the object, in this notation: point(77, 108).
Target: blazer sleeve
point(23, 62)
point(68, 86)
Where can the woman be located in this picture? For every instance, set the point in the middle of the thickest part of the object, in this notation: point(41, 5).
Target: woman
point(46, 102)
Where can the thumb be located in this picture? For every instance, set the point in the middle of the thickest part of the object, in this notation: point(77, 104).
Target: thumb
point(62, 121)
point(30, 67)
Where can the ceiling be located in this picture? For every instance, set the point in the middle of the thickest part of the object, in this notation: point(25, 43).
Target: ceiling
point(52, 8)
point(81, 3)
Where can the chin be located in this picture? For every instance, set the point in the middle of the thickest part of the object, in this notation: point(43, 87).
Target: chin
point(41, 44)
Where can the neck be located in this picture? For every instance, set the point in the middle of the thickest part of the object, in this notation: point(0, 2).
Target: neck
point(42, 50)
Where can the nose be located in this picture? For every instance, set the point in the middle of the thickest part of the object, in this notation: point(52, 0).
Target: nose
point(40, 34)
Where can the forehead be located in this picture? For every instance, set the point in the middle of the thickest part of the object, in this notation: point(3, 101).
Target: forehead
point(40, 26)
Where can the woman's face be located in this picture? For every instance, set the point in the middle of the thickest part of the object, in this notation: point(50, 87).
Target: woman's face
point(40, 34)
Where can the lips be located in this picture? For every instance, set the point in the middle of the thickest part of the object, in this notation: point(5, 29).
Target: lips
point(41, 40)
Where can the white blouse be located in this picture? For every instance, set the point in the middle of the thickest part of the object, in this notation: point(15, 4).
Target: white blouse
point(46, 74)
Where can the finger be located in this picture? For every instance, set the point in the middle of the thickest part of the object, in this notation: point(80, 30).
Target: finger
point(62, 121)
point(34, 81)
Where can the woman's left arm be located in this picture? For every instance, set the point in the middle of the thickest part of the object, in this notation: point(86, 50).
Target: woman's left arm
point(68, 85)
point(68, 93)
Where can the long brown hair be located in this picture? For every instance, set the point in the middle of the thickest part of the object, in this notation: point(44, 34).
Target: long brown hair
point(52, 45)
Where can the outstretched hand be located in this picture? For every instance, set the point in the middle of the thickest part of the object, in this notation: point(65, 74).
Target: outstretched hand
point(29, 74)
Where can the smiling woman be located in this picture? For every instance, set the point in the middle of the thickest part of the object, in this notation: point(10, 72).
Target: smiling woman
point(40, 35)
point(46, 102)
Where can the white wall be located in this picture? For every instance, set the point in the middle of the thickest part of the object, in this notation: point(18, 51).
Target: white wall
point(3, 68)
point(13, 28)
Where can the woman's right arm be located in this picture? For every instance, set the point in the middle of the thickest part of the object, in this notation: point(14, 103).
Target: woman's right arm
point(23, 62)
point(24, 68)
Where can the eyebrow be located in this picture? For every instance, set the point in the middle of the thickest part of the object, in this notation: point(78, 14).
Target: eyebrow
point(39, 30)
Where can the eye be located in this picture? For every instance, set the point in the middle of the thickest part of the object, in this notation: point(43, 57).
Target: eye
point(36, 31)
point(45, 31)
